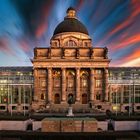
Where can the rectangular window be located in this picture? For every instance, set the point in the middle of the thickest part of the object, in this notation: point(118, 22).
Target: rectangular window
point(56, 83)
point(70, 83)
point(84, 83)
point(98, 83)
point(98, 71)
point(2, 107)
point(42, 72)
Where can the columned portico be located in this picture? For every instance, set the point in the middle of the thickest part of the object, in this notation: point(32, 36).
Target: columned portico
point(71, 67)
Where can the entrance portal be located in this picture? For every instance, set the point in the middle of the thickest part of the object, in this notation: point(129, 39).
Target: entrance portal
point(57, 99)
point(84, 98)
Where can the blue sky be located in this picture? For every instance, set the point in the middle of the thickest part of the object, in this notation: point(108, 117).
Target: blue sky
point(25, 24)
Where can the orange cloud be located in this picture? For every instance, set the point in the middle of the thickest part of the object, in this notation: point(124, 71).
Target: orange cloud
point(25, 47)
point(4, 46)
point(125, 43)
point(41, 29)
point(132, 59)
point(135, 12)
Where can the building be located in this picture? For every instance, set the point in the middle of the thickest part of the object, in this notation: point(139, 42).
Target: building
point(16, 88)
point(124, 89)
point(70, 68)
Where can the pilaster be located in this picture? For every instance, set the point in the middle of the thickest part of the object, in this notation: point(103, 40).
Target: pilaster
point(92, 85)
point(63, 85)
point(49, 84)
point(78, 85)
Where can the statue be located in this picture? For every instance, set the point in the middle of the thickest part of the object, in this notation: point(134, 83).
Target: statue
point(70, 101)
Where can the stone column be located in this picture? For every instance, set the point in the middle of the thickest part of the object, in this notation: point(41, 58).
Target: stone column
point(63, 85)
point(36, 85)
point(19, 95)
point(49, 84)
point(78, 85)
point(92, 85)
point(106, 85)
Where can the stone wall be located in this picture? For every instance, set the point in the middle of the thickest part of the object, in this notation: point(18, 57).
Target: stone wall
point(103, 125)
point(13, 125)
point(69, 125)
point(36, 125)
point(126, 125)
point(77, 126)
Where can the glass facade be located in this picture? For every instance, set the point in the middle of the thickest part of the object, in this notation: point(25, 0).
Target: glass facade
point(124, 87)
point(16, 87)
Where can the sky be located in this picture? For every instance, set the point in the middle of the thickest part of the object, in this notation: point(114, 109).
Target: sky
point(25, 24)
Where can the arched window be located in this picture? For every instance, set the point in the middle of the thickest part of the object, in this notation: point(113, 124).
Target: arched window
point(57, 98)
point(56, 78)
point(84, 79)
point(70, 79)
point(70, 43)
point(84, 98)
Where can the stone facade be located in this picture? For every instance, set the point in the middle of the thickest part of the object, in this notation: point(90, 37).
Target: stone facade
point(70, 67)
point(69, 125)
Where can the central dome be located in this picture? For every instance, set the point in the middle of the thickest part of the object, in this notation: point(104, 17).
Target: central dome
point(70, 24)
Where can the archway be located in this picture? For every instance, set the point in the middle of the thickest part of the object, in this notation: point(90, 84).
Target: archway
point(84, 98)
point(57, 99)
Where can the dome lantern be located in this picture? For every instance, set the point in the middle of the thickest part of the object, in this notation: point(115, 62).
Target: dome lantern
point(70, 24)
point(71, 13)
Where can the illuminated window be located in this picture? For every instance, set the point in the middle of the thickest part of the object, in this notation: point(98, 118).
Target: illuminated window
point(70, 79)
point(56, 78)
point(98, 83)
point(70, 83)
point(98, 71)
point(84, 82)
point(56, 82)
point(43, 82)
